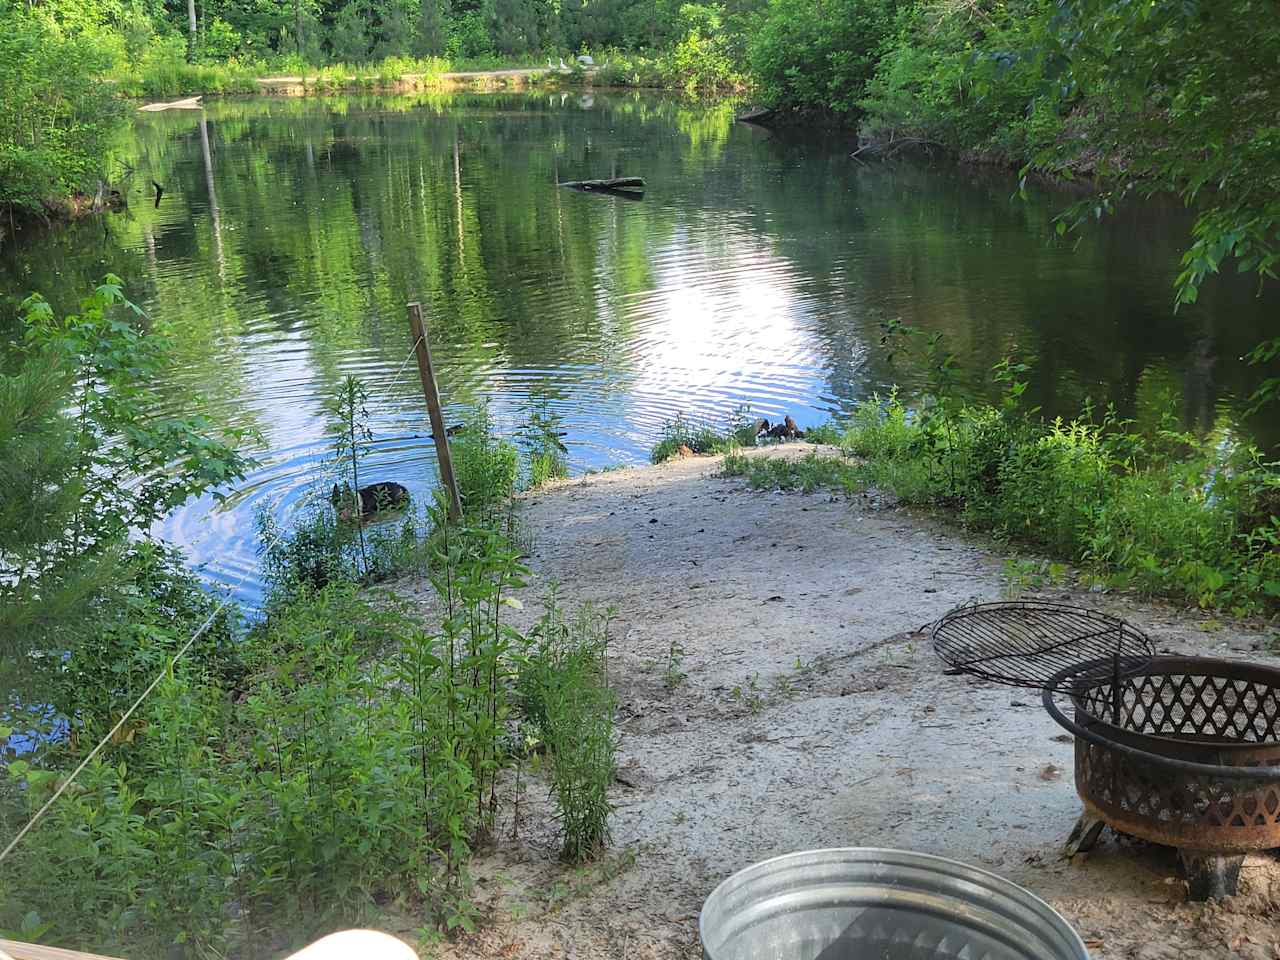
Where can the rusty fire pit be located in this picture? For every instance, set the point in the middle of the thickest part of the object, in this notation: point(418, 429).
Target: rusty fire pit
point(1182, 751)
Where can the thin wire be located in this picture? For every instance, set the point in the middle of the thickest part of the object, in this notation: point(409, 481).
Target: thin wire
point(62, 788)
point(396, 379)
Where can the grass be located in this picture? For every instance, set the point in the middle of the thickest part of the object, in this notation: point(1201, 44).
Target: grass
point(164, 72)
point(808, 473)
point(682, 436)
point(1143, 507)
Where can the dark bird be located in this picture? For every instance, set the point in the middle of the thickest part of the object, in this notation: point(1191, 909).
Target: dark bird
point(159, 193)
point(452, 431)
point(373, 499)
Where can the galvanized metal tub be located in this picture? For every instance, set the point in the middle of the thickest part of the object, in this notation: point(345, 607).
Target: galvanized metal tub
point(862, 903)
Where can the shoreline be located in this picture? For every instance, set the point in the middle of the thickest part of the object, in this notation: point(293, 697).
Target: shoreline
point(777, 692)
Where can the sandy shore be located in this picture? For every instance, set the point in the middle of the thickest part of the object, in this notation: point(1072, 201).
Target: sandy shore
point(812, 713)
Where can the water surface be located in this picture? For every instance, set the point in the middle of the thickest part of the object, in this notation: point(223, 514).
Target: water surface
point(757, 270)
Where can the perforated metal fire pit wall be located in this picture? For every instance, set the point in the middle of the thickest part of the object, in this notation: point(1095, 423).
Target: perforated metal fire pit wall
point(1184, 752)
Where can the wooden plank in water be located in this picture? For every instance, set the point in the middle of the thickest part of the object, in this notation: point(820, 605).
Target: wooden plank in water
point(34, 951)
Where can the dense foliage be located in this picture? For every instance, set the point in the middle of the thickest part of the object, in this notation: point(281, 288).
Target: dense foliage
point(86, 468)
point(332, 757)
point(56, 112)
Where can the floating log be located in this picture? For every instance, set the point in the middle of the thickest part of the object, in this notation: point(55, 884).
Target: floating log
point(616, 184)
point(187, 103)
point(759, 115)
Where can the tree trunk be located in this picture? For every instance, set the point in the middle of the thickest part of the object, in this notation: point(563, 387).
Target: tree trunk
point(192, 26)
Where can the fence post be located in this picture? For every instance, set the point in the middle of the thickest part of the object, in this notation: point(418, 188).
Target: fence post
point(418, 330)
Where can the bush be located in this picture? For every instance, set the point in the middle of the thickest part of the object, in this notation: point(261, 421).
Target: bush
point(807, 56)
point(971, 84)
point(56, 114)
point(566, 696)
point(1158, 511)
point(485, 467)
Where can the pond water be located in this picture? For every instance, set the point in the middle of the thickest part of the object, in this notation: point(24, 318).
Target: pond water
point(757, 270)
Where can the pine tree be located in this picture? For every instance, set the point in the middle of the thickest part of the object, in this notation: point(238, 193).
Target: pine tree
point(514, 26)
point(396, 34)
point(349, 38)
point(571, 14)
point(42, 583)
point(430, 36)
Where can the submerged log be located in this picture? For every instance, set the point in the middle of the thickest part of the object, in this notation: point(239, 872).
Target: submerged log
point(759, 115)
point(615, 185)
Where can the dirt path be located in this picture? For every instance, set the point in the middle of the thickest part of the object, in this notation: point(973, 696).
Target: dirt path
point(777, 695)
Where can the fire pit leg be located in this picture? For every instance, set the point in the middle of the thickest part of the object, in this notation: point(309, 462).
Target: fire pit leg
point(1210, 876)
point(1084, 835)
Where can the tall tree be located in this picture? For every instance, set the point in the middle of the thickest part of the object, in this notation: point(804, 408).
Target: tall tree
point(514, 26)
point(1178, 100)
point(395, 29)
point(571, 23)
point(193, 26)
point(349, 38)
point(430, 35)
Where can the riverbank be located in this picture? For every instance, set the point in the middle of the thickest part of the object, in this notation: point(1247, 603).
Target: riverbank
point(778, 692)
point(477, 80)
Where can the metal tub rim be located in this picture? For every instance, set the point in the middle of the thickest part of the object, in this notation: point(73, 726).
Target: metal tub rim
point(970, 897)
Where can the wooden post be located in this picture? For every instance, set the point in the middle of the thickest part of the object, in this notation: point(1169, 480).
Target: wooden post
point(418, 330)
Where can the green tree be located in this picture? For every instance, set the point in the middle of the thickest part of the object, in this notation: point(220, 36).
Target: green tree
point(395, 29)
point(430, 37)
point(808, 56)
point(56, 113)
point(94, 469)
point(1181, 97)
point(514, 26)
point(349, 38)
point(571, 15)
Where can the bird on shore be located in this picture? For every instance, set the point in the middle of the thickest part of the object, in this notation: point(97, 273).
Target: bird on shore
point(550, 65)
point(562, 65)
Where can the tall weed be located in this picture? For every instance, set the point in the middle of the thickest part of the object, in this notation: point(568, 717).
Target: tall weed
point(565, 692)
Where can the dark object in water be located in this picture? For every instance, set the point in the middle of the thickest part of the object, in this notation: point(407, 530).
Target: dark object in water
point(631, 188)
point(374, 499)
point(159, 193)
point(452, 431)
point(759, 115)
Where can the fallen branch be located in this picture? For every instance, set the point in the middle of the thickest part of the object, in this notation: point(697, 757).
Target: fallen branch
point(617, 184)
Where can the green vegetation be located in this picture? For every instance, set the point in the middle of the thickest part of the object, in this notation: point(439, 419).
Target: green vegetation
point(285, 775)
point(64, 63)
point(1147, 505)
point(566, 696)
point(56, 112)
point(680, 436)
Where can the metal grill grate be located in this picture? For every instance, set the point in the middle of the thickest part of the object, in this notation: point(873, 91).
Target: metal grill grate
point(1025, 643)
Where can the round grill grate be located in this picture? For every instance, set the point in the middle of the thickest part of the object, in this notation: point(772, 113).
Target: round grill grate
point(1026, 643)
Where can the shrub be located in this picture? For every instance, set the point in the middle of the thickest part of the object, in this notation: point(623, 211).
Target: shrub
point(1159, 511)
point(565, 694)
point(56, 114)
point(820, 57)
point(485, 467)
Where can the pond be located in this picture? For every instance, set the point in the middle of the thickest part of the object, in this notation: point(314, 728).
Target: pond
point(757, 270)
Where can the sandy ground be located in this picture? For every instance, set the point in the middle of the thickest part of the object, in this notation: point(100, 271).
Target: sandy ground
point(812, 713)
